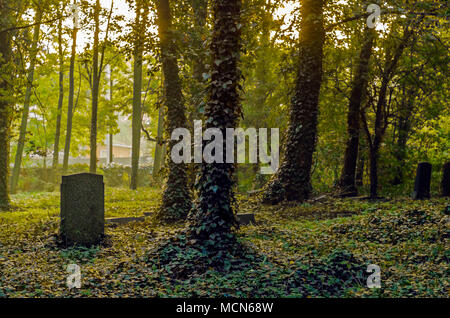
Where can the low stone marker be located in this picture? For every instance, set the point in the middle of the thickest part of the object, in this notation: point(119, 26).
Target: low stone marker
point(82, 209)
point(422, 183)
point(246, 219)
point(445, 184)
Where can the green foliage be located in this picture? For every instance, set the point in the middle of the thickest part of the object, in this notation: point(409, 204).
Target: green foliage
point(115, 175)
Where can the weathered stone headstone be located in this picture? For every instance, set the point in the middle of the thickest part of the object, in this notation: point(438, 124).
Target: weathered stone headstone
point(422, 183)
point(246, 219)
point(447, 210)
point(82, 209)
point(445, 184)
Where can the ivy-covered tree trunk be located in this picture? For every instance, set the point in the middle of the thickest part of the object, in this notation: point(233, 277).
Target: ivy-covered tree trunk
point(137, 89)
point(6, 103)
point(292, 182)
point(26, 104)
point(176, 199)
point(95, 91)
point(60, 103)
point(70, 98)
point(347, 181)
point(212, 219)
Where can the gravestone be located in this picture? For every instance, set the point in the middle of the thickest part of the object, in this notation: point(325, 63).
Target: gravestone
point(82, 209)
point(422, 183)
point(445, 184)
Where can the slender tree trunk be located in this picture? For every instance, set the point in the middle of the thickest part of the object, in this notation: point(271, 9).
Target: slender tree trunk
point(212, 219)
point(403, 131)
point(347, 181)
point(157, 162)
point(381, 114)
point(292, 181)
point(200, 8)
point(176, 200)
point(71, 98)
point(26, 105)
point(6, 104)
point(360, 167)
point(95, 91)
point(373, 158)
point(60, 104)
point(111, 136)
point(137, 88)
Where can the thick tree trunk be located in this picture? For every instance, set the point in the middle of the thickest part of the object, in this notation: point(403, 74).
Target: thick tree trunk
point(212, 219)
point(26, 105)
point(6, 104)
point(71, 99)
point(347, 181)
point(95, 91)
point(60, 104)
point(137, 88)
point(292, 182)
point(176, 199)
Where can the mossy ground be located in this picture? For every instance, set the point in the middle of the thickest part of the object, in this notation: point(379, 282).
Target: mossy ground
point(307, 250)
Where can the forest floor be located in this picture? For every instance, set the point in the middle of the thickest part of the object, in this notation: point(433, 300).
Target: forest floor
point(307, 250)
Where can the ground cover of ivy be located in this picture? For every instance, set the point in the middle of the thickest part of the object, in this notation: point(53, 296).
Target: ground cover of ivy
point(315, 249)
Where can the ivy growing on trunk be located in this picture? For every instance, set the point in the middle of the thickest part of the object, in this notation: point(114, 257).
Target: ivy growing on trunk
point(292, 182)
point(212, 219)
point(176, 198)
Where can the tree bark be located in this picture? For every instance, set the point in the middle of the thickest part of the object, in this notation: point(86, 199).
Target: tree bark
point(197, 86)
point(176, 199)
point(292, 182)
point(60, 103)
point(211, 221)
point(70, 99)
point(111, 136)
point(359, 178)
point(6, 103)
point(26, 105)
point(157, 162)
point(347, 184)
point(95, 91)
point(137, 88)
